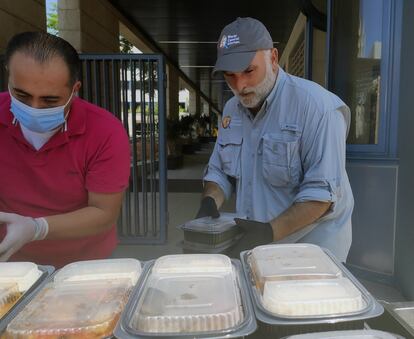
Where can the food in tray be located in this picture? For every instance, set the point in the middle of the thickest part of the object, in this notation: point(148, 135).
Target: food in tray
point(9, 295)
point(293, 298)
point(71, 310)
point(185, 303)
point(15, 279)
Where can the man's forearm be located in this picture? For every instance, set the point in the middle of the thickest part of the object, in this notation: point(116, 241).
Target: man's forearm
point(298, 216)
point(211, 189)
point(99, 216)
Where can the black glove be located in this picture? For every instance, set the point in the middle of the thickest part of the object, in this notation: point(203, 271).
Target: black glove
point(255, 234)
point(208, 208)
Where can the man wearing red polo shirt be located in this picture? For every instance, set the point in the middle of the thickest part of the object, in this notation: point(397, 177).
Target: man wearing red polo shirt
point(64, 162)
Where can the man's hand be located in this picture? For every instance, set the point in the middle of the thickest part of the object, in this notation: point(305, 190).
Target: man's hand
point(208, 208)
point(255, 234)
point(20, 230)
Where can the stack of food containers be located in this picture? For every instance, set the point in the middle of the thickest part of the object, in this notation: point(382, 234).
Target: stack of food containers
point(84, 299)
point(299, 288)
point(356, 334)
point(211, 235)
point(398, 317)
point(18, 280)
point(187, 296)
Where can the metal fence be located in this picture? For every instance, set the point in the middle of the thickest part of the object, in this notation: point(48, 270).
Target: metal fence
point(132, 87)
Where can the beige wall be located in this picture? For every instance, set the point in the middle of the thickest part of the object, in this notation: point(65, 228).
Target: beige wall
point(90, 26)
point(18, 16)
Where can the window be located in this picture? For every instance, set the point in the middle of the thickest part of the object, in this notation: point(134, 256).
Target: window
point(360, 59)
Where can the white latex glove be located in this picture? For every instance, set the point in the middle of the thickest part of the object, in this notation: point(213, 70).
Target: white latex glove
point(20, 231)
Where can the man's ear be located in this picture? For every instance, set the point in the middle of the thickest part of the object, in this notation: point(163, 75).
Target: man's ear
point(77, 86)
point(275, 58)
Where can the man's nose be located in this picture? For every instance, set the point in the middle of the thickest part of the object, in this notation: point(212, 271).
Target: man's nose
point(239, 83)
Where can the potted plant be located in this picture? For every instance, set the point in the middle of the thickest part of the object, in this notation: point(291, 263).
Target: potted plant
point(174, 147)
point(187, 131)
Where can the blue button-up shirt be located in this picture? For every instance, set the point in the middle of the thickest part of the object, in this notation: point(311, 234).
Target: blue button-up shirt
point(293, 150)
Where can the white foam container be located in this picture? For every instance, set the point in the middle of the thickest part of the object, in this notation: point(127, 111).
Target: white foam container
point(299, 298)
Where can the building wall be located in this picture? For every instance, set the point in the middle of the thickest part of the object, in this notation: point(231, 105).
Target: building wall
point(90, 26)
point(404, 266)
point(19, 16)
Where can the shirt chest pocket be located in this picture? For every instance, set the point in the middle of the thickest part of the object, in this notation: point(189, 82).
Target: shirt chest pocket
point(230, 144)
point(281, 159)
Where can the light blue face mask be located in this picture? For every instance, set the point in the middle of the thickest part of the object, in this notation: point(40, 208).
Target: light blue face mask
point(38, 120)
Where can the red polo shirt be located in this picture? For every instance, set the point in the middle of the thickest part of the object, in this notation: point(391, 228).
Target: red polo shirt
point(92, 155)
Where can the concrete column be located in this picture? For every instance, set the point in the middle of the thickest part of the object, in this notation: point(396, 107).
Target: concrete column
point(90, 26)
point(172, 92)
point(20, 16)
point(194, 105)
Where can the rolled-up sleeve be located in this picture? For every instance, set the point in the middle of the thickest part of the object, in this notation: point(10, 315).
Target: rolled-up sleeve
point(214, 173)
point(323, 157)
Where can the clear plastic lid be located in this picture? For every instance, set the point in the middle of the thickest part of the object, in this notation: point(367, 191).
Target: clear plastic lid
point(354, 334)
point(307, 298)
point(211, 225)
point(406, 313)
point(291, 261)
point(9, 294)
point(101, 269)
point(192, 263)
point(84, 308)
point(24, 274)
point(186, 303)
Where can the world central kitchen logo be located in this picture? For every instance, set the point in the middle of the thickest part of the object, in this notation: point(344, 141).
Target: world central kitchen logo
point(229, 40)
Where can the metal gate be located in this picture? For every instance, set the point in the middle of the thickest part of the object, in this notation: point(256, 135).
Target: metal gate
point(132, 87)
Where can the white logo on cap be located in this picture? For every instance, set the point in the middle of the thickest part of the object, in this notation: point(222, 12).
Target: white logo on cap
point(223, 42)
point(229, 40)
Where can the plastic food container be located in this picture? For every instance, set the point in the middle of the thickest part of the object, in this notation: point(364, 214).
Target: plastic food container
point(301, 288)
point(397, 318)
point(356, 334)
point(18, 281)
point(84, 299)
point(299, 298)
point(291, 261)
point(183, 296)
point(211, 232)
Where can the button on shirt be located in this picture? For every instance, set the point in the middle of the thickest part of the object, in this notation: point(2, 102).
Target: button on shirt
point(293, 150)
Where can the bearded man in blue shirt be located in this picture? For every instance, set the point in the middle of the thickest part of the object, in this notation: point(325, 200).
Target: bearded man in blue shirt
point(281, 146)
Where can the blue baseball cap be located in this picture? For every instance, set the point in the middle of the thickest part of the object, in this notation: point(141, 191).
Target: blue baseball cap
point(239, 41)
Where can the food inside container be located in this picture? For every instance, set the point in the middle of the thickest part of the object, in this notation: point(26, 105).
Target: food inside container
point(15, 279)
point(290, 262)
point(83, 301)
point(89, 309)
point(9, 294)
point(309, 298)
point(202, 297)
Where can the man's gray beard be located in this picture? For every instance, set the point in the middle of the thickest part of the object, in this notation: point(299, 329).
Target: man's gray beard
point(260, 91)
